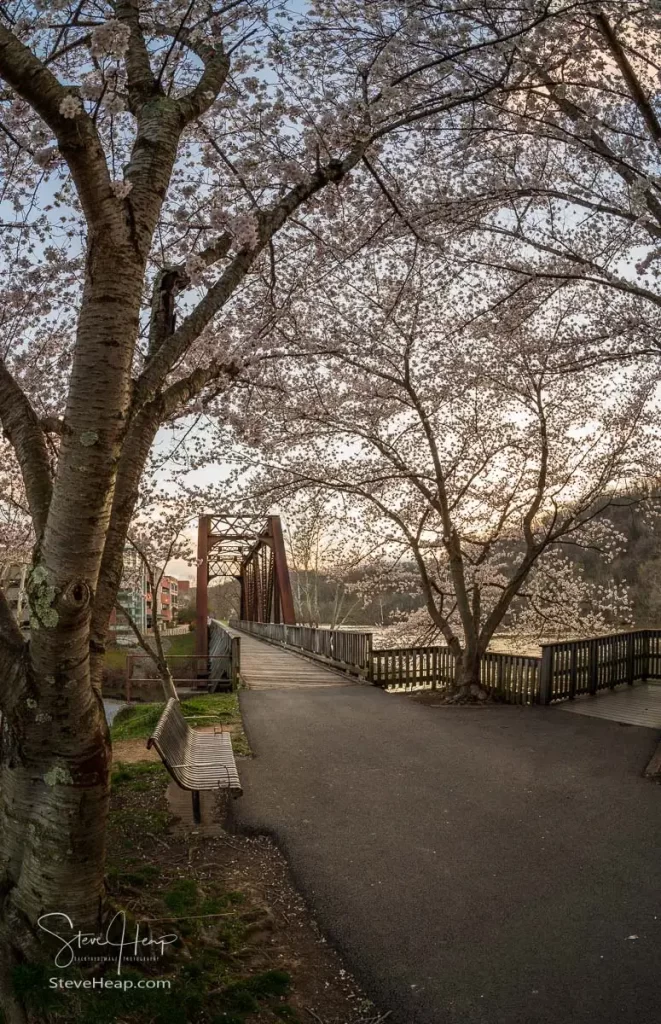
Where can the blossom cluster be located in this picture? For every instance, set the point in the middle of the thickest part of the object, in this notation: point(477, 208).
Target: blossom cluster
point(111, 39)
point(245, 229)
point(71, 107)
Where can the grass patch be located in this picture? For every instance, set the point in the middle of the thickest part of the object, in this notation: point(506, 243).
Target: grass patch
point(115, 658)
point(136, 877)
point(244, 996)
point(184, 643)
point(182, 897)
point(225, 706)
point(136, 722)
point(139, 720)
point(133, 820)
point(211, 980)
point(140, 777)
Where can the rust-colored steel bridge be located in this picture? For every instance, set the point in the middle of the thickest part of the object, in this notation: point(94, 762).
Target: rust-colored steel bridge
point(248, 549)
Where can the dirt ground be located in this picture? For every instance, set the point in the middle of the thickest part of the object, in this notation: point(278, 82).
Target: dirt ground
point(132, 751)
point(285, 936)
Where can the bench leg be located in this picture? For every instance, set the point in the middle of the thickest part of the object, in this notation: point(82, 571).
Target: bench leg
point(197, 817)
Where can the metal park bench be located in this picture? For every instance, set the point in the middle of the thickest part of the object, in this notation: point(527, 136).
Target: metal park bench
point(195, 760)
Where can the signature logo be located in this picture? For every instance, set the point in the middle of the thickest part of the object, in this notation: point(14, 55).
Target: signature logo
point(114, 943)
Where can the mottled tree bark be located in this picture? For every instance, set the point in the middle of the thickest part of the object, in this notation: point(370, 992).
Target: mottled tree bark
point(139, 438)
point(54, 769)
point(55, 757)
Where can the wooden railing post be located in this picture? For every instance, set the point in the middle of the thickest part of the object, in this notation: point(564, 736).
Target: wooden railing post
point(646, 655)
point(593, 666)
point(630, 658)
point(236, 662)
point(573, 670)
point(500, 676)
point(546, 675)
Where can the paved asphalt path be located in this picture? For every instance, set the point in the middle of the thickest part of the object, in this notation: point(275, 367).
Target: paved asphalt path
point(487, 865)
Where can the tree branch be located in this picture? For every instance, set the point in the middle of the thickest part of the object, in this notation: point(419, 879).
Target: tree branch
point(12, 649)
point(142, 84)
point(629, 75)
point(21, 425)
point(267, 223)
point(156, 657)
point(77, 136)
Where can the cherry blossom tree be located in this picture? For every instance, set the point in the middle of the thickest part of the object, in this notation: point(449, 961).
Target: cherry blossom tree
point(559, 187)
point(558, 601)
point(16, 538)
point(164, 165)
point(478, 458)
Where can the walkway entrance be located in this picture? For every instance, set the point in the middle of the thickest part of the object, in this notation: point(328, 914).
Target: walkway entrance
point(265, 666)
point(475, 866)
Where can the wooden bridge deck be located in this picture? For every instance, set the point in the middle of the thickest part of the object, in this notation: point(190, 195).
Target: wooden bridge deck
point(265, 666)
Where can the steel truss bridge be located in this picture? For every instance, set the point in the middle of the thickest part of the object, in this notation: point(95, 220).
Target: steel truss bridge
point(251, 550)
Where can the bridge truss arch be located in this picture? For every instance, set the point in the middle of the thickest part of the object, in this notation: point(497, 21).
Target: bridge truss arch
point(251, 550)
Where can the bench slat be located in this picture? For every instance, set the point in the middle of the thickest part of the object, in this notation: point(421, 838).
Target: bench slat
point(194, 760)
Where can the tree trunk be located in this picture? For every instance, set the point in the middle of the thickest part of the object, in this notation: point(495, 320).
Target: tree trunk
point(169, 689)
point(54, 745)
point(139, 438)
point(55, 748)
point(468, 685)
point(54, 769)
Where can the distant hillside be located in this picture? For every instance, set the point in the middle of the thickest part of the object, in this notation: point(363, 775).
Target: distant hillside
point(320, 600)
point(639, 565)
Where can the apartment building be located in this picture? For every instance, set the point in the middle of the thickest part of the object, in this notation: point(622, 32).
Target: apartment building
point(167, 602)
point(135, 595)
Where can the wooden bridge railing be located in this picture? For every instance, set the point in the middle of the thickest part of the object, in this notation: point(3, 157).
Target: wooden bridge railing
point(563, 671)
point(223, 644)
point(350, 652)
point(514, 677)
point(599, 663)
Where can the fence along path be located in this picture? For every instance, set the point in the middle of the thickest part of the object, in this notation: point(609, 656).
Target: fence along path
point(514, 677)
point(563, 671)
point(348, 651)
